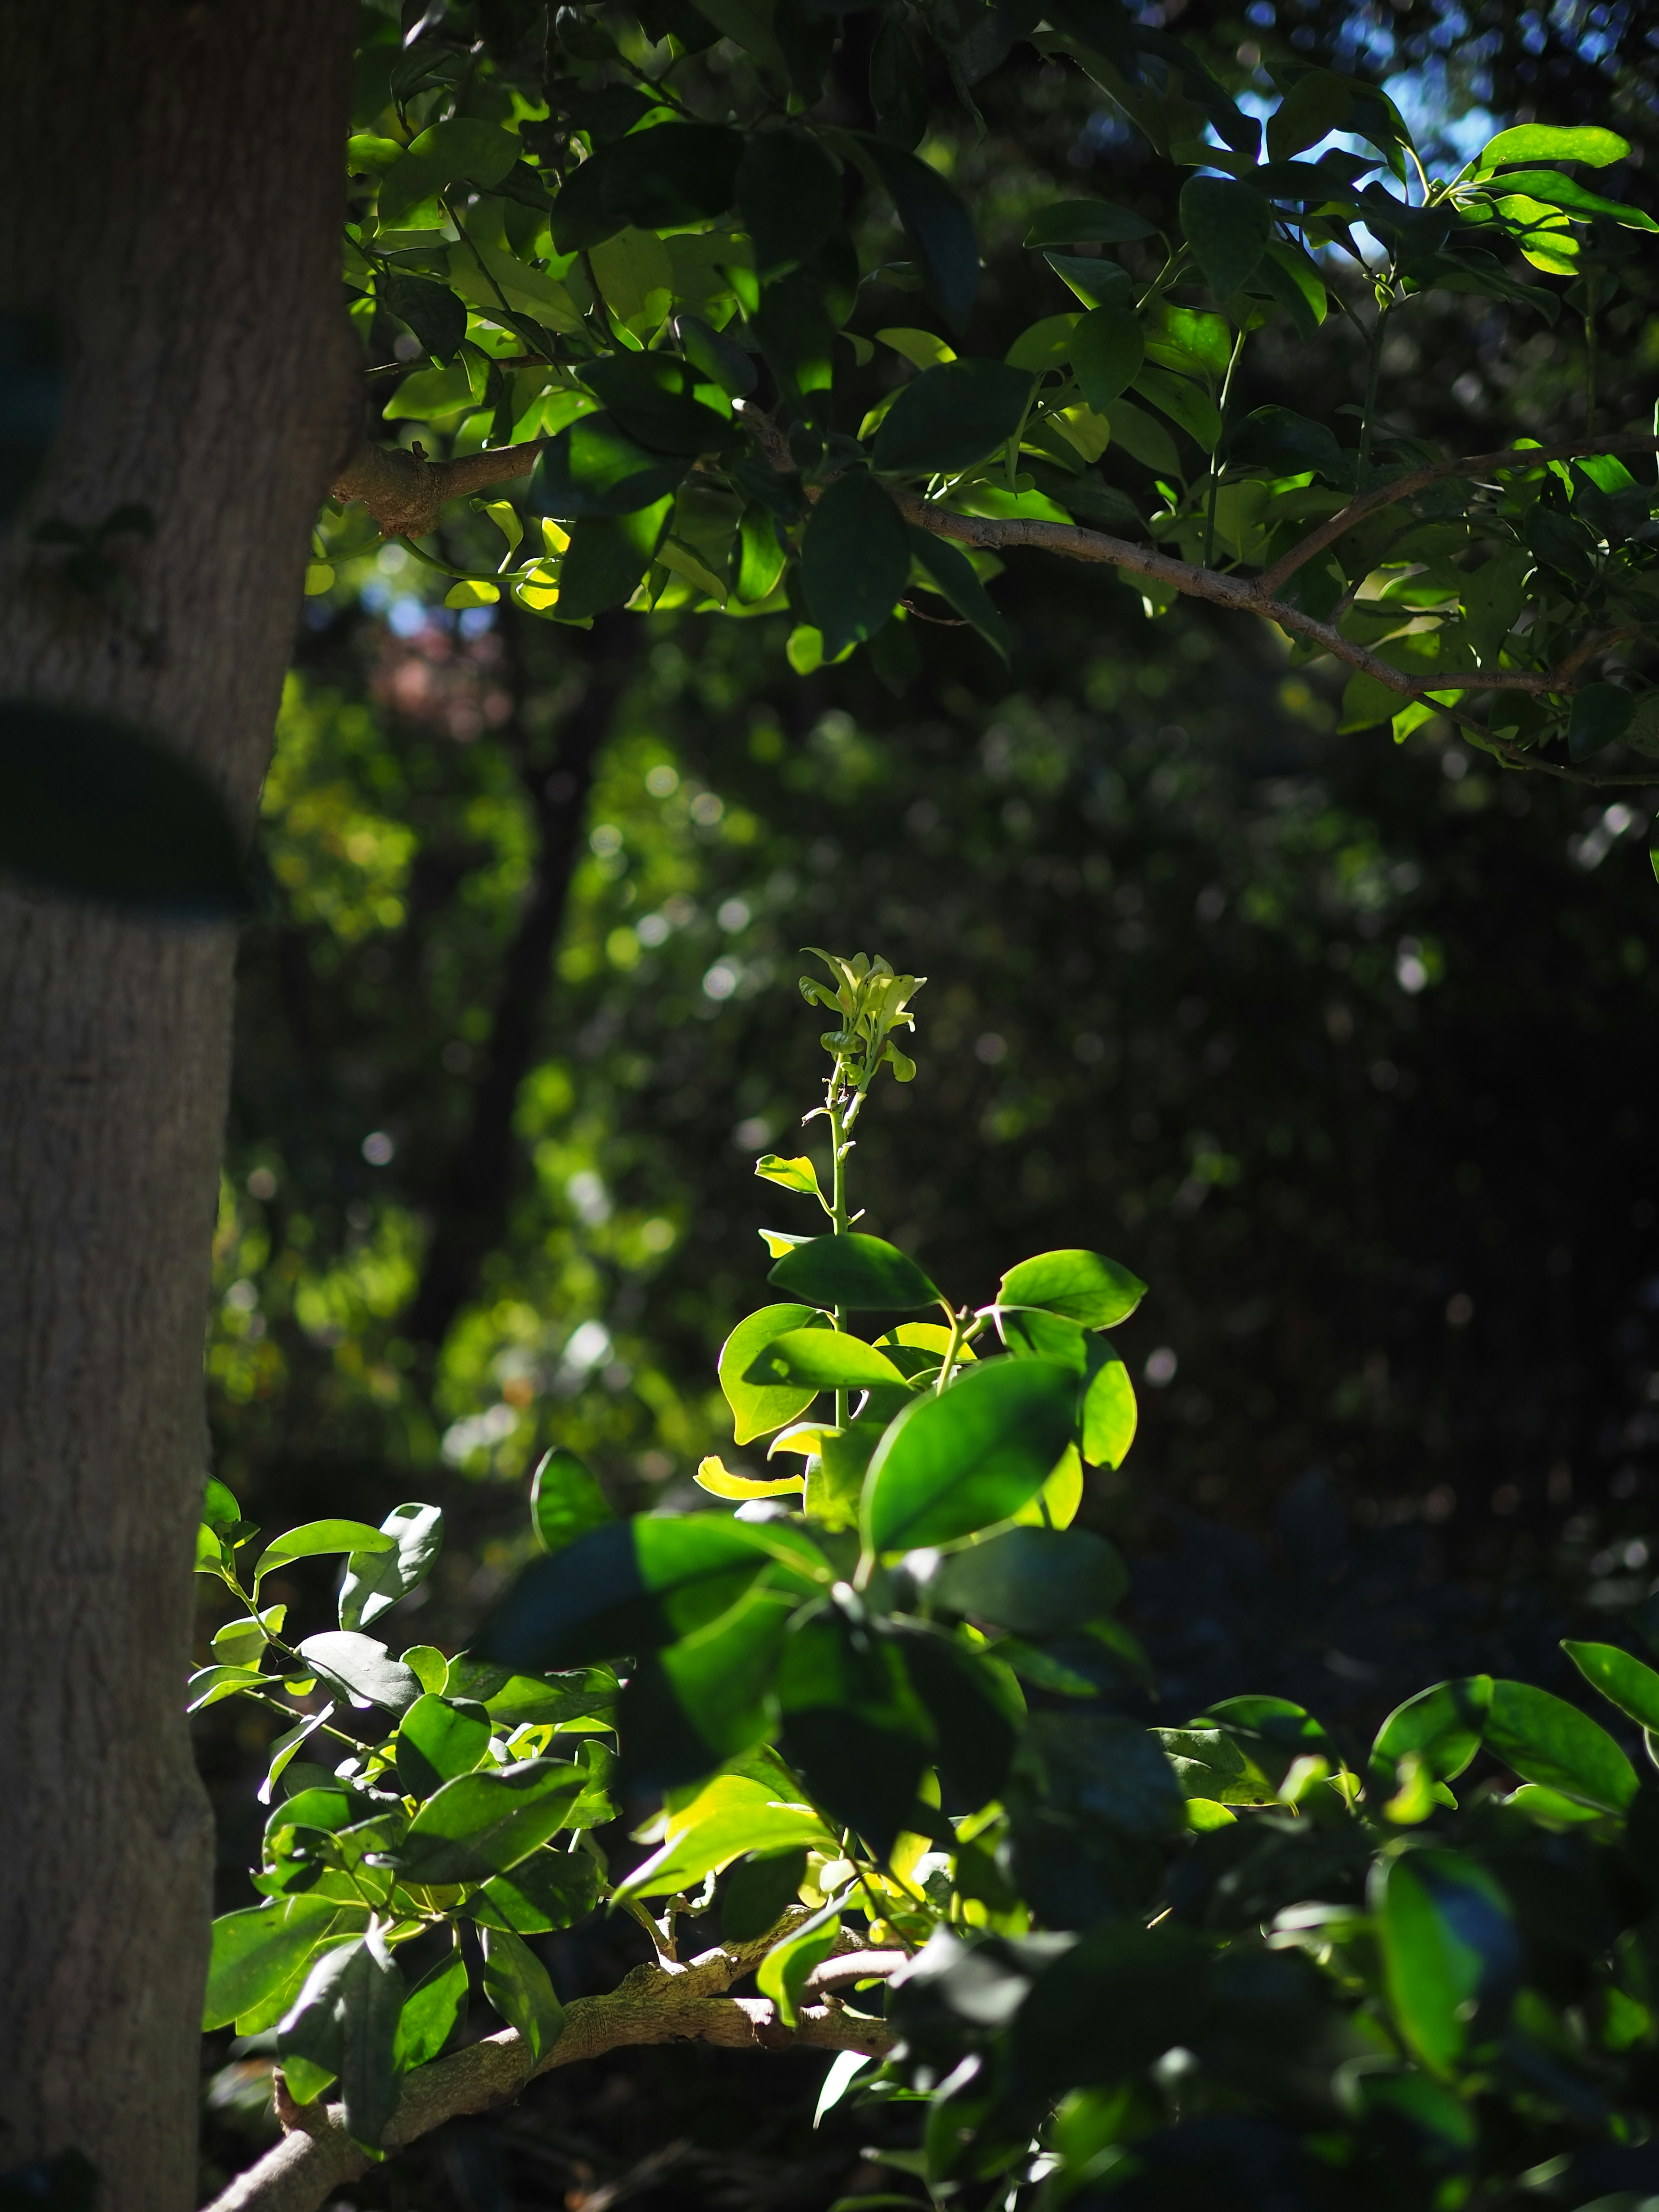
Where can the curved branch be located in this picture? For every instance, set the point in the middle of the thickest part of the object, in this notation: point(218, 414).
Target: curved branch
point(653, 2004)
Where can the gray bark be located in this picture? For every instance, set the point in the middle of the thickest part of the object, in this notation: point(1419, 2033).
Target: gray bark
point(173, 189)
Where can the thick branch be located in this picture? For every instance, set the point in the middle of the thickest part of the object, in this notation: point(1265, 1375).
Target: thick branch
point(404, 491)
point(653, 2004)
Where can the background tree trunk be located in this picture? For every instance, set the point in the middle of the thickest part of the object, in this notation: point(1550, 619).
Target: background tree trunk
point(173, 190)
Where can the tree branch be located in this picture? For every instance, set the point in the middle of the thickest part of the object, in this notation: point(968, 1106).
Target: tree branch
point(404, 491)
point(653, 2004)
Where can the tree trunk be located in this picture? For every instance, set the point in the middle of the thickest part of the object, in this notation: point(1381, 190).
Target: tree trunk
point(173, 193)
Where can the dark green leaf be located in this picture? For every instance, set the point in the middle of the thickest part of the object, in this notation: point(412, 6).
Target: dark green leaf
point(1280, 442)
point(676, 173)
point(689, 1708)
point(1600, 715)
point(898, 89)
point(517, 1985)
point(853, 1729)
point(345, 2025)
point(483, 1824)
point(375, 1581)
point(580, 217)
point(1085, 223)
point(565, 1500)
point(938, 226)
point(950, 1466)
point(31, 403)
point(651, 395)
point(607, 557)
point(1038, 1581)
point(792, 329)
point(1316, 104)
point(1108, 349)
point(431, 2012)
point(865, 1274)
point(257, 1951)
point(715, 358)
point(854, 559)
point(1106, 1769)
point(757, 557)
point(432, 310)
point(639, 1584)
point(759, 1891)
point(953, 573)
point(594, 467)
point(1081, 1286)
point(1546, 1739)
point(584, 1693)
point(1227, 226)
point(975, 1705)
point(828, 1360)
point(1624, 1681)
point(759, 1409)
point(437, 1739)
point(788, 193)
point(952, 416)
point(1110, 2006)
point(357, 1667)
point(548, 1891)
point(90, 806)
point(1449, 1944)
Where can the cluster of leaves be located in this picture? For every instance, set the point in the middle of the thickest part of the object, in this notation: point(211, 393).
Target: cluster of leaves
point(655, 268)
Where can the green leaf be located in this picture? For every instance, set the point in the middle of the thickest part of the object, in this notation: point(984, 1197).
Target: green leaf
point(437, 1739)
point(652, 397)
point(579, 219)
point(357, 1667)
point(952, 416)
point(483, 1824)
point(432, 310)
point(375, 1581)
point(865, 1274)
point(853, 1727)
point(1546, 1739)
point(1544, 142)
point(1442, 1726)
point(1281, 442)
point(1038, 1581)
point(1111, 1415)
point(1184, 403)
point(731, 1815)
point(795, 335)
point(345, 2024)
point(517, 1985)
point(244, 1642)
point(607, 557)
point(671, 174)
point(759, 1409)
point(1143, 438)
point(1086, 222)
point(92, 806)
point(641, 1583)
point(898, 89)
point(1107, 2007)
point(566, 1501)
point(1314, 106)
point(593, 467)
point(854, 559)
point(789, 1175)
point(431, 2012)
point(316, 1539)
point(759, 559)
point(1081, 1286)
point(689, 1707)
point(257, 1952)
point(1096, 283)
point(1449, 1945)
point(716, 359)
point(783, 1971)
point(1623, 1680)
point(548, 1891)
point(763, 1889)
point(1046, 344)
point(1107, 348)
point(952, 1465)
point(1227, 226)
point(1557, 190)
point(953, 573)
point(207, 1685)
point(1600, 715)
point(788, 193)
point(938, 225)
point(975, 1707)
point(826, 1359)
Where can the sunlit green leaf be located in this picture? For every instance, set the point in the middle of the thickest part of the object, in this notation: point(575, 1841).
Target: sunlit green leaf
point(952, 1465)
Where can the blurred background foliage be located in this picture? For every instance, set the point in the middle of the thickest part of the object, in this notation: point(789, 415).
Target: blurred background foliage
point(1345, 1048)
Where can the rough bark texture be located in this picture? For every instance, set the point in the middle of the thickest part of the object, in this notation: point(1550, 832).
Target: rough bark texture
point(173, 198)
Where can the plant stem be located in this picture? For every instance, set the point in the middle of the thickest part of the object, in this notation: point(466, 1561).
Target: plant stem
point(838, 1149)
point(1217, 468)
point(958, 1323)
